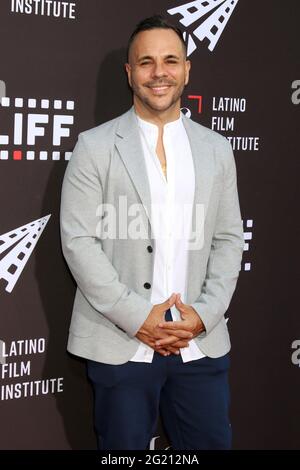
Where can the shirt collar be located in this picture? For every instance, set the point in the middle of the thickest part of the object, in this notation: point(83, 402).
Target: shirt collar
point(147, 126)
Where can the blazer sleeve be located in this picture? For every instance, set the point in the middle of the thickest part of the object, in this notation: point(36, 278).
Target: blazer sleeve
point(96, 277)
point(227, 246)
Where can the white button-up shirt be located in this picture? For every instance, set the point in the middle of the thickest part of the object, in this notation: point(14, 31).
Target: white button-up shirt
point(171, 217)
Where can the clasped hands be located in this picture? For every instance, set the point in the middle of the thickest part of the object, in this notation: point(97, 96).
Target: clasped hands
point(166, 337)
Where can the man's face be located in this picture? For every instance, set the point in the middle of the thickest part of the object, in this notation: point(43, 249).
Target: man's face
point(157, 70)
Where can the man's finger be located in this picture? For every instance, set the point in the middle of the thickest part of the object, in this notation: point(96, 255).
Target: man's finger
point(179, 344)
point(160, 349)
point(179, 333)
point(175, 325)
point(173, 350)
point(169, 302)
point(166, 341)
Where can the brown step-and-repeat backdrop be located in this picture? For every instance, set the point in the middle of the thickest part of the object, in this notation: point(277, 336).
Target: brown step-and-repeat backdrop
point(61, 72)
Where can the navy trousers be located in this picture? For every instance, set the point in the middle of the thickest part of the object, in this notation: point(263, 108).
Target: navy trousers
point(192, 398)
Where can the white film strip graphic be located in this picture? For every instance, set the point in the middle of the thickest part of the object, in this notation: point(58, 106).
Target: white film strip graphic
point(212, 27)
point(247, 238)
point(193, 11)
point(32, 105)
point(12, 265)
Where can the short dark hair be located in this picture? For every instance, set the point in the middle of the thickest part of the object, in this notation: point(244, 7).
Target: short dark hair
point(155, 22)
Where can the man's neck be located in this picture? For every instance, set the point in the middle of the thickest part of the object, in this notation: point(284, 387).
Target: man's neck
point(156, 117)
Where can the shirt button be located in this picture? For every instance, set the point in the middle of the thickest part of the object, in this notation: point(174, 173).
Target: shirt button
point(147, 285)
point(150, 249)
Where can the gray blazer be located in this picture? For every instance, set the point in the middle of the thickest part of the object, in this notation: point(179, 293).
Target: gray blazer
point(114, 276)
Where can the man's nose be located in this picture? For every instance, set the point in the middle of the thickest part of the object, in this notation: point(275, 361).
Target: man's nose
point(159, 70)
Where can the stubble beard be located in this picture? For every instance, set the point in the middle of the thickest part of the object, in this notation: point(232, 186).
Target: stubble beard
point(151, 104)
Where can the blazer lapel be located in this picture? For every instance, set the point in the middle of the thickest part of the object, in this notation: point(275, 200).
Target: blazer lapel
point(131, 151)
point(203, 164)
point(204, 172)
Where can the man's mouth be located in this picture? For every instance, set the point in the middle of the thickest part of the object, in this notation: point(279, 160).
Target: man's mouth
point(159, 88)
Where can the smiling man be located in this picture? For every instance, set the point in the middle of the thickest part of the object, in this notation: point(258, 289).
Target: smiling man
point(158, 72)
point(149, 311)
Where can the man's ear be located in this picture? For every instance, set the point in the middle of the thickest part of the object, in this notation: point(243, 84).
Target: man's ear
point(128, 71)
point(188, 65)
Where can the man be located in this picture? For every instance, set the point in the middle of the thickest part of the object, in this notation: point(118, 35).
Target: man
point(149, 311)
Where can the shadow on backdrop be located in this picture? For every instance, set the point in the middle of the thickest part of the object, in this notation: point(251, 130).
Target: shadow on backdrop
point(113, 94)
